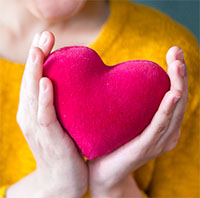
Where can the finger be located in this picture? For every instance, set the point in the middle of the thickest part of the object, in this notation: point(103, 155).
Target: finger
point(176, 120)
point(122, 157)
point(32, 75)
point(176, 68)
point(46, 111)
point(180, 108)
point(33, 44)
point(47, 118)
point(175, 137)
point(161, 120)
point(46, 42)
point(28, 103)
point(174, 53)
point(33, 70)
point(36, 39)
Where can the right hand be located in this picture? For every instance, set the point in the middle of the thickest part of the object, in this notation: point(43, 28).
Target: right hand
point(60, 167)
point(110, 174)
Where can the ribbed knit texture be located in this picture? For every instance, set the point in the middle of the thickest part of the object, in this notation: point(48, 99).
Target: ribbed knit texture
point(132, 31)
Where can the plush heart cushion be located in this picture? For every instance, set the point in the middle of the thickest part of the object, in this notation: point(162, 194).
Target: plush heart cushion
point(103, 107)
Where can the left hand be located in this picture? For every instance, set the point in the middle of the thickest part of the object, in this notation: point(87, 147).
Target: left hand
point(161, 135)
point(60, 171)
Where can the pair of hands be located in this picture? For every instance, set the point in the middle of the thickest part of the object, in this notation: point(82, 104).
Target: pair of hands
point(60, 167)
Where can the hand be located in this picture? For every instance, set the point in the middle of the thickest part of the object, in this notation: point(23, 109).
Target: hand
point(161, 135)
point(61, 170)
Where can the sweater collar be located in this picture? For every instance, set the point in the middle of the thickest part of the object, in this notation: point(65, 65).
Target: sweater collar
point(112, 28)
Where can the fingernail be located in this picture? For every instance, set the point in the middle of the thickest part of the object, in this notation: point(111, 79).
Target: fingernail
point(180, 55)
point(33, 56)
point(43, 39)
point(182, 70)
point(176, 99)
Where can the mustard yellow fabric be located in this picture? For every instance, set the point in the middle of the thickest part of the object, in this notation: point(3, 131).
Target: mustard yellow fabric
point(132, 31)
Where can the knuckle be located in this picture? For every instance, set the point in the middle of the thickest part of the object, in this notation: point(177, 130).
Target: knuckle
point(176, 63)
point(167, 113)
point(161, 129)
point(42, 122)
point(178, 93)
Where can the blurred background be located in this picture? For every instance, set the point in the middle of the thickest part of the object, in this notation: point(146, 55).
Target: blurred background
point(186, 12)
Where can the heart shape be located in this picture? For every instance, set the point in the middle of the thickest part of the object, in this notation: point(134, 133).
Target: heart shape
point(103, 107)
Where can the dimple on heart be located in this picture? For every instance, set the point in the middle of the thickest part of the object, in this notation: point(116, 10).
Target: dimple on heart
point(103, 107)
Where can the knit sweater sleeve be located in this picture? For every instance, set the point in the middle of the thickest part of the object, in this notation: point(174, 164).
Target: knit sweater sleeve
point(3, 191)
point(3, 188)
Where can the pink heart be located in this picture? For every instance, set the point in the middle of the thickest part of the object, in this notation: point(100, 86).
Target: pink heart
point(103, 107)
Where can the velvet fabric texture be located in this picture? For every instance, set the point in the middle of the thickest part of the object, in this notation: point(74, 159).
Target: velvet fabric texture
point(103, 107)
point(132, 32)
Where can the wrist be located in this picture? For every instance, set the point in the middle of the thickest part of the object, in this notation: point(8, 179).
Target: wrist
point(116, 190)
point(51, 187)
point(123, 189)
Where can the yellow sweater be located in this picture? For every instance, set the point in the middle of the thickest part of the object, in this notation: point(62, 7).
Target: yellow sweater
point(132, 31)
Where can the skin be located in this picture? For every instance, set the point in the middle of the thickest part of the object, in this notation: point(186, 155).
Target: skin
point(82, 28)
point(61, 171)
point(54, 10)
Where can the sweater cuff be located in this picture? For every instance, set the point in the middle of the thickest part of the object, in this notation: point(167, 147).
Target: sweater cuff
point(3, 191)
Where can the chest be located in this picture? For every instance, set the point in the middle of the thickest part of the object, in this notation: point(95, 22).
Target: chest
point(16, 159)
